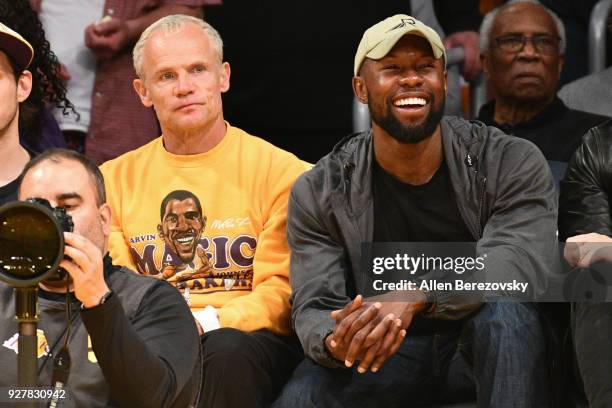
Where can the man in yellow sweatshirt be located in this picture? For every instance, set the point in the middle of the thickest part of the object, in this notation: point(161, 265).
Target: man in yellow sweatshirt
point(204, 206)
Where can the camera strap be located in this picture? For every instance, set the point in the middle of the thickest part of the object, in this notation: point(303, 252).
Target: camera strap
point(61, 371)
point(61, 362)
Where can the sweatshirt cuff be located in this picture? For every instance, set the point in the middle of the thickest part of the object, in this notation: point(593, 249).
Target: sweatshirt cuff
point(228, 317)
point(208, 318)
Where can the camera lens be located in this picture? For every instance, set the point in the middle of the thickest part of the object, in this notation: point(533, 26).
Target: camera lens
point(31, 243)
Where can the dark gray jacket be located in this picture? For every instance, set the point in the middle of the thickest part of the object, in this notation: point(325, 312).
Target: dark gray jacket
point(505, 194)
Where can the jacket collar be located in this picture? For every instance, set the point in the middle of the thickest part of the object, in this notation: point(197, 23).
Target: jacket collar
point(462, 141)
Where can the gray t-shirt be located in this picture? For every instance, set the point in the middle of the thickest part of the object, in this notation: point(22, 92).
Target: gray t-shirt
point(592, 93)
point(64, 22)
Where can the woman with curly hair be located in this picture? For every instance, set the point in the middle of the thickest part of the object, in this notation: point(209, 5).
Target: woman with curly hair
point(38, 130)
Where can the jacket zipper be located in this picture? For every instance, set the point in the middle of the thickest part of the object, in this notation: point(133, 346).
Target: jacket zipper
point(348, 171)
point(471, 162)
point(481, 205)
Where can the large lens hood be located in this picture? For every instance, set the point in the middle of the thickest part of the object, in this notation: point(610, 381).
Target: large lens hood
point(31, 243)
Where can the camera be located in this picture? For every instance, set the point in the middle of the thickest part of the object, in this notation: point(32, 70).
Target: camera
point(32, 241)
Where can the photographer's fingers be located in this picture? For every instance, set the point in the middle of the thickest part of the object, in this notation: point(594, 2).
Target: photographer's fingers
point(85, 266)
point(76, 262)
point(72, 268)
point(83, 246)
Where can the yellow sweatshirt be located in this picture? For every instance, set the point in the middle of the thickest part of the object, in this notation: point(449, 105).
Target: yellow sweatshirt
point(213, 224)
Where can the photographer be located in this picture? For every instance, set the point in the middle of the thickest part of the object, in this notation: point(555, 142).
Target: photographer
point(132, 339)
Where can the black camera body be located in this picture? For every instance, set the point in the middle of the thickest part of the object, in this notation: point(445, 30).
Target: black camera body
point(65, 220)
point(32, 241)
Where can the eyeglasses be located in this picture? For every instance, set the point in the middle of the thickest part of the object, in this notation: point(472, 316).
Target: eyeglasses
point(543, 43)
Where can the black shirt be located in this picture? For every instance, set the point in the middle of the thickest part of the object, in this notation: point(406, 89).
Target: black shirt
point(557, 130)
point(8, 192)
point(424, 213)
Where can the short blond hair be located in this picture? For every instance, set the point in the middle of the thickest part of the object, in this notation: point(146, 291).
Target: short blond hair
point(172, 24)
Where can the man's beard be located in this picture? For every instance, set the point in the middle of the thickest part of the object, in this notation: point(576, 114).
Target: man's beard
point(408, 133)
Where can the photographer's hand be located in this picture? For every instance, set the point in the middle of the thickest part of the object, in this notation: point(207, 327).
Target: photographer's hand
point(86, 269)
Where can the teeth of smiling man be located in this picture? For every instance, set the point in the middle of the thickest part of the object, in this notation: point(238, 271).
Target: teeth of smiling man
point(410, 101)
point(185, 240)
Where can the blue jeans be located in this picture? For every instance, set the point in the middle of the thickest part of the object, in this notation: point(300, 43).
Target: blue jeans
point(499, 357)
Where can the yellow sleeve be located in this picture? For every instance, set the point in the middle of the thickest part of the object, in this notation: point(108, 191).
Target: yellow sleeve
point(118, 248)
point(267, 306)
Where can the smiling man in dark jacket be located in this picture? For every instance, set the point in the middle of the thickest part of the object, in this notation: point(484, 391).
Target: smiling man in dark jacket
point(417, 178)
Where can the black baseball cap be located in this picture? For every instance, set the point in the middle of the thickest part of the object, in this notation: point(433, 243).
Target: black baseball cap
point(16, 47)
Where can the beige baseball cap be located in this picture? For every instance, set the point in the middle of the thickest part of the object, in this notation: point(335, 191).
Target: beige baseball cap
point(379, 39)
point(15, 46)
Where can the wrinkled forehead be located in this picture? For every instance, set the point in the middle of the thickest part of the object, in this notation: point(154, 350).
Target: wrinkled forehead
point(188, 36)
point(524, 18)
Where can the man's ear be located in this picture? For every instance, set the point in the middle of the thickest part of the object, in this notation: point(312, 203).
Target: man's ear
point(24, 86)
point(445, 82)
point(484, 61)
point(225, 77)
point(142, 92)
point(561, 63)
point(105, 218)
point(360, 89)
point(160, 231)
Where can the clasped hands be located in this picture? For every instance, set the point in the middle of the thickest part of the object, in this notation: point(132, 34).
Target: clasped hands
point(371, 331)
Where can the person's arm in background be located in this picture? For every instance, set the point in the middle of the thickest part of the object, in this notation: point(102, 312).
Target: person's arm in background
point(111, 35)
point(460, 21)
